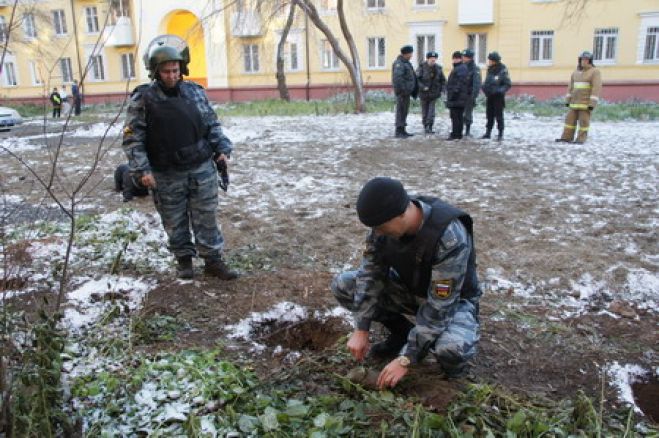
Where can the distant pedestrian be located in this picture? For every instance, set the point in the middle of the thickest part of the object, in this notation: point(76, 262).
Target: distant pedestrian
point(458, 91)
point(405, 86)
point(431, 82)
point(475, 77)
point(56, 101)
point(77, 98)
point(66, 106)
point(582, 97)
point(496, 85)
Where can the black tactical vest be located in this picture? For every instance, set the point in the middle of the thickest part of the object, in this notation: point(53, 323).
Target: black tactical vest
point(413, 260)
point(174, 133)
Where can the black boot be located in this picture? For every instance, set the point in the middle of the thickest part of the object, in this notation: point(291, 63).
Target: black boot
point(467, 130)
point(400, 133)
point(430, 131)
point(488, 133)
point(184, 269)
point(398, 327)
point(216, 267)
point(500, 136)
point(407, 134)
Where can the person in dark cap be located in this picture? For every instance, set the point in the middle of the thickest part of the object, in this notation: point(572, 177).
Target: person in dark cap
point(129, 186)
point(431, 82)
point(496, 85)
point(405, 85)
point(475, 77)
point(457, 93)
point(418, 261)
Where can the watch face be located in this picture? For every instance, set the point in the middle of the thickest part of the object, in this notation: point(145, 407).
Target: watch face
point(403, 360)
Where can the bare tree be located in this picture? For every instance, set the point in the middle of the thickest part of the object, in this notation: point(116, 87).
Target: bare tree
point(281, 75)
point(352, 65)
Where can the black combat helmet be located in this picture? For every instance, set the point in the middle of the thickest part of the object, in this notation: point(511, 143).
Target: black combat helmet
point(166, 48)
point(586, 54)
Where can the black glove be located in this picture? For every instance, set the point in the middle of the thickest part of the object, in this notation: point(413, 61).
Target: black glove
point(567, 105)
point(223, 172)
point(590, 108)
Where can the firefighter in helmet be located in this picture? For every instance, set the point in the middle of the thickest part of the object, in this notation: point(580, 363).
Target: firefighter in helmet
point(582, 98)
point(173, 141)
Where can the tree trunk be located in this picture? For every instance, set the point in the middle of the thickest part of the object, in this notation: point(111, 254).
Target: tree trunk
point(281, 76)
point(355, 75)
point(360, 103)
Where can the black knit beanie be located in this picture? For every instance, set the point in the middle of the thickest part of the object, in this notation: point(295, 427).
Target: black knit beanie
point(381, 200)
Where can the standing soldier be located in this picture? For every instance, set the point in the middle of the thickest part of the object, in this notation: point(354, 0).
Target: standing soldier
point(431, 82)
point(475, 77)
point(582, 97)
point(458, 91)
point(173, 140)
point(405, 85)
point(497, 83)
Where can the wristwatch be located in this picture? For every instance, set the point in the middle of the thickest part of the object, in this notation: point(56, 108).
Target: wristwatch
point(404, 361)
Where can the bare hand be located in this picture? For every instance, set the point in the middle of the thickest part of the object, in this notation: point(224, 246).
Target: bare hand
point(148, 181)
point(391, 375)
point(221, 157)
point(358, 344)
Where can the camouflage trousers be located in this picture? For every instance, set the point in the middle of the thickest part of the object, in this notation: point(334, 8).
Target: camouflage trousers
point(188, 200)
point(454, 346)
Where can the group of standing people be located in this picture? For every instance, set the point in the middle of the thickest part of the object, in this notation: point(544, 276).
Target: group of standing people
point(60, 99)
point(462, 88)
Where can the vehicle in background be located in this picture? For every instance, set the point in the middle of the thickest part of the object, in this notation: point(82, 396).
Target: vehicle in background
point(9, 118)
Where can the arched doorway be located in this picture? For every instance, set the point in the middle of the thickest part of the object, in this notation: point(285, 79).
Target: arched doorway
point(186, 25)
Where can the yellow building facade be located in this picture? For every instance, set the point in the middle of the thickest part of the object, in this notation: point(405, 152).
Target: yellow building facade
point(233, 43)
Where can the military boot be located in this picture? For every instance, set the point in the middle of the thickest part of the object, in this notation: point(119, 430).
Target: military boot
point(488, 133)
point(399, 327)
point(184, 269)
point(407, 134)
point(500, 135)
point(468, 130)
point(216, 267)
point(400, 133)
point(430, 131)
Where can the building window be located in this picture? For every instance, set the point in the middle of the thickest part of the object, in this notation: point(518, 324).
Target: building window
point(127, 66)
point(651, 51)
point(542, 46)
point(67, 71)
point(376, 52)
point(375, 4)
point(35, 71)
point(91, 15)
point(329, 58)
point(9, 74)
point(59, 21)
point(328, 5)
point(604, 45)
point(119, 8)
point(251, 55)
point(478, 43)
point(292, 56)
point(424, 2)
point(96, 67)
point(424, 44)
point(3, 28)
point(29, 26)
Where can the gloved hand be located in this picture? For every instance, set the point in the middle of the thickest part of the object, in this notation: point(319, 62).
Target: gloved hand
point(590, 108)
point(223, 174)
point(567, 105)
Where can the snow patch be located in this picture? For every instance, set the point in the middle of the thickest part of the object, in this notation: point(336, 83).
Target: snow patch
point(622, 377)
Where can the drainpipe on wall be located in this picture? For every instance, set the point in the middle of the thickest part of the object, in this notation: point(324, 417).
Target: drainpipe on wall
point(75, 36)
point(306, 46)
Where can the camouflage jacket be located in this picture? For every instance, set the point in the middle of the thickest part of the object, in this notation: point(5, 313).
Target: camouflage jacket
point(435, 313)
point(134, 139)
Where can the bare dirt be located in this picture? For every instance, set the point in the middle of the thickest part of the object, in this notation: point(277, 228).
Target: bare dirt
point(290, 242)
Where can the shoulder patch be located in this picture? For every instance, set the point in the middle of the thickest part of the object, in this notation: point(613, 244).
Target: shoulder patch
point(443, 288)
point(449, 239)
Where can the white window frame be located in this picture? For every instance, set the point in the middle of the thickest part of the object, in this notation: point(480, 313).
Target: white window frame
point(327, 7)
point(59, 22)
point(608, 39)
point(435, 28)
point(91, 18)
point(3, 28)
point(251, 61)
point(375, 5)
point(96, 73)
point(329, 61)
point(9, 72)
point(428, 43)
point(425, 4)
point(127, 66)
point(541, 36)
point(651, 46)
point(35, 72)
point(380, 60)
point(29, 26)
point(66, 69)
point(479, 46)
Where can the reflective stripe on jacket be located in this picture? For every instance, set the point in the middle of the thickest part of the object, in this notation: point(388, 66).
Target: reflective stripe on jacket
point(585, 88)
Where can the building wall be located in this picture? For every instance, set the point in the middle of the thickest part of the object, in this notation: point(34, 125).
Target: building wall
point(218, 35)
